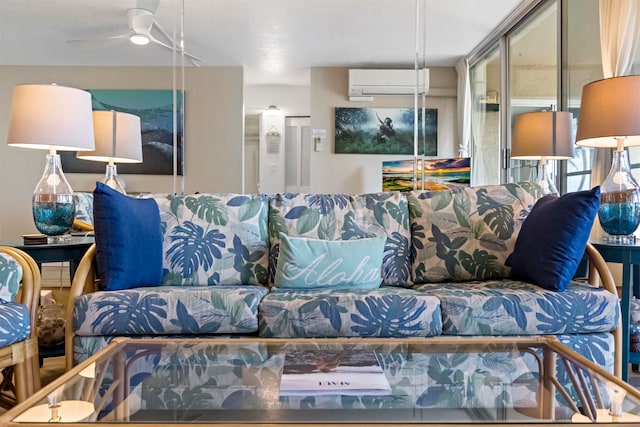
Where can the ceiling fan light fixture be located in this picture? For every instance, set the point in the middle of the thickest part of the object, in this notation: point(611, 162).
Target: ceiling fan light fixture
point(139, 39)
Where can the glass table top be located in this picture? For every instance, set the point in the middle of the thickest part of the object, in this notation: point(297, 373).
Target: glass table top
point(252, 381)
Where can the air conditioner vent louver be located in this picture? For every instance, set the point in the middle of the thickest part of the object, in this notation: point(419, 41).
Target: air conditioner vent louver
point(363, 82)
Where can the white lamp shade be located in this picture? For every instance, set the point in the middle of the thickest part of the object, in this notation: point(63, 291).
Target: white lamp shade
point(118, 138)
point(542, 134)
point(610, 108)
point(51, 116)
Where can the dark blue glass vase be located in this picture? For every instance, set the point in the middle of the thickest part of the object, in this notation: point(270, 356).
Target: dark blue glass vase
point(54, 206)
point(619, 211)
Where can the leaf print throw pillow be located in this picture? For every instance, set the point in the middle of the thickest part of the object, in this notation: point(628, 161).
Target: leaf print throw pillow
point(128, 237)
point(553, 238)
point(329, 264)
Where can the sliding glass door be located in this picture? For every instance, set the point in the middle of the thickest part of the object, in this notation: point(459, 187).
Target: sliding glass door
point(532, 58)
point(485, 118)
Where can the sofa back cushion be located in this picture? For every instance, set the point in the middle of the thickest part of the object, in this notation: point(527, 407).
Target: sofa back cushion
point(467, 233)
point(345, 217)
point(10, 278)
point(214, 239)
point(84, 207)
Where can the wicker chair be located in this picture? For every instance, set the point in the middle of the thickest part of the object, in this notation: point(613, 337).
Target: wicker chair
point(19, 360)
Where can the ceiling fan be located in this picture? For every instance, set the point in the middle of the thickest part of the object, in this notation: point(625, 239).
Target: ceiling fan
point(142, 24)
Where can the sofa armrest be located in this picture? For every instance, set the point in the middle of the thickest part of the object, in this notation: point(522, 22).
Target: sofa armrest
point(84, 282)
point(82, 226)
point(600, 275)
point(25, 355)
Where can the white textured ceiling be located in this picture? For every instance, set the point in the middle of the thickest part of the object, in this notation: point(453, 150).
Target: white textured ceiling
point(274, 40)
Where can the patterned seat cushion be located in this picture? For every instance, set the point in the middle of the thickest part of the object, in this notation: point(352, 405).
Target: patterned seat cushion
point(599, 348)
point(169, 310)
point(346, 217)
point(15, 323)
point(384, 312)
point(508, 307)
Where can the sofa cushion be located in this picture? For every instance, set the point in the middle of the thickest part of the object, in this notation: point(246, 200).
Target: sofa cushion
point(345, 217)
point(15, 323)
point(329, 264)
point(84, 207)
point(600, 348)
point(467, 233)
point(214, 239)
point(128, 239)
point(169, 310)
point(508, 307)
point(384, 312)
point(554, 235)
point(10, 278)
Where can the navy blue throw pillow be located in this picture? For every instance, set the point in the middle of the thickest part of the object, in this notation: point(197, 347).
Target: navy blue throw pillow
point(128, 237)
point(553, 238)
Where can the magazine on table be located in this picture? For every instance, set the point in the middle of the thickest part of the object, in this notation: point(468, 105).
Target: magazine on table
point(351, 372)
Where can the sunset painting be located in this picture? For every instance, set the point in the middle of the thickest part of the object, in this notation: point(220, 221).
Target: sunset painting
point(439, 174)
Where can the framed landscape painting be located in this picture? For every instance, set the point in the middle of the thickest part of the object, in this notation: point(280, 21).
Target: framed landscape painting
point(385, 131)
point(439, 174)
point(155, 109)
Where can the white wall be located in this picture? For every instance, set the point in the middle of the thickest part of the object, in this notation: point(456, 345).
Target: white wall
point(291, 100)
point(213, 133)
point(214, 114)
point(358, 173)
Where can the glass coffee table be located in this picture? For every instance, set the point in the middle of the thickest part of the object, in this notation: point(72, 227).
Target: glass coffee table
point(391, 382)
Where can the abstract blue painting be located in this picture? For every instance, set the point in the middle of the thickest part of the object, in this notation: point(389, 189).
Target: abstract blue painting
point(155, 109)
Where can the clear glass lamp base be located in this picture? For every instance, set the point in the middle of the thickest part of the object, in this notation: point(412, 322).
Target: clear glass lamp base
point(629, 239)
point(53, 204)
point(545, 180)
point(62, 238)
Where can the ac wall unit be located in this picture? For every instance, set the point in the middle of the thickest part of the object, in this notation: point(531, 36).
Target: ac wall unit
point(363, 82)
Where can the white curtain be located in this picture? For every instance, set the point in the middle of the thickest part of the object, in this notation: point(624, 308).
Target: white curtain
point(619, 32)
point(479, 159)
point(464, 107)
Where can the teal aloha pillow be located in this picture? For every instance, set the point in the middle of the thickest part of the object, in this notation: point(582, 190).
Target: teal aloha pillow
point(329, 264)
point(128, 240)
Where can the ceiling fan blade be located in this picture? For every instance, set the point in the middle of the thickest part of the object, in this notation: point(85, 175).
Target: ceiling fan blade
point(169, 39)
point(99, 41)
point(193, 59)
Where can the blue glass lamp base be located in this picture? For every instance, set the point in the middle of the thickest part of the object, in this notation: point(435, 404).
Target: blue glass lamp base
point(53, 215)
point(619, 220)
point(619, 212)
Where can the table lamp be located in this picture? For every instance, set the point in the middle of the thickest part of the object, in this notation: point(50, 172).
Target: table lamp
point(543, 135)
point(610, 118)
point(53, 118)
point(58, 410)
point(118, 139)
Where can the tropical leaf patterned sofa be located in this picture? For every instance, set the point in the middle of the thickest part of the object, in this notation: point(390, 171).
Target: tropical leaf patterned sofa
point(443, 274)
